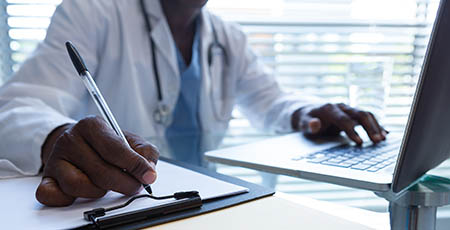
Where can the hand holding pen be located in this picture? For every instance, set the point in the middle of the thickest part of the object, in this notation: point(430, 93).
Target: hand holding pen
point(89, 158)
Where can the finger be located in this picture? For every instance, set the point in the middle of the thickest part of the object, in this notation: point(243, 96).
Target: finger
point(114, 150)
point(75, 183)
point(310, 125)
point(333, 114)
point(101, 173)
point(144, 148)
point(353, 135)
point(48, 193)
point(383, 131)
point(380, 136)
point(367, 121)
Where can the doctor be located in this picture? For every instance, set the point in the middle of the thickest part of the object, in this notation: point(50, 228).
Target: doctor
point(166, 68)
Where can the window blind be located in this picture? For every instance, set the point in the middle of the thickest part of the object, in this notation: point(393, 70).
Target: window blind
point(27, 21)
point(5, 62)
point(364, 53)
point(328, 48)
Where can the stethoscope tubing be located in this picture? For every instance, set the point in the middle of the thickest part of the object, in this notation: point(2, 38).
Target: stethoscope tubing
point(162, 111)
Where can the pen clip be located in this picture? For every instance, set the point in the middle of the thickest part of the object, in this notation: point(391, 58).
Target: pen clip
point(183, 201)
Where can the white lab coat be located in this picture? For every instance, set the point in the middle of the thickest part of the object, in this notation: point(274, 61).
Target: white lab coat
point(111, 36)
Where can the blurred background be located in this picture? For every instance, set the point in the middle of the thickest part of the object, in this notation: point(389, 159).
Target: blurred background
point(362, 52)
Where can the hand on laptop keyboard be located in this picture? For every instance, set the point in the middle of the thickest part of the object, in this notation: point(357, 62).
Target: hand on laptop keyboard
point(371, 158)
point(331, 119)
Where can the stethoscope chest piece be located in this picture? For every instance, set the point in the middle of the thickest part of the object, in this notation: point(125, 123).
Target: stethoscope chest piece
point(162, 114)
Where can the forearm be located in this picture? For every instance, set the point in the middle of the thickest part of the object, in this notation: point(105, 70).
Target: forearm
point(26, 123)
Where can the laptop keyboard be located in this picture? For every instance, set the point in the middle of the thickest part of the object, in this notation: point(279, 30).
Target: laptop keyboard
point(371, 158)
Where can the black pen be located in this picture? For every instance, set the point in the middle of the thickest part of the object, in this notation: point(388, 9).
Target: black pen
point(89, 82)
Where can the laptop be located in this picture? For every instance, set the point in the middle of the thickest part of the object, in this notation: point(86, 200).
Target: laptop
point(391, 165)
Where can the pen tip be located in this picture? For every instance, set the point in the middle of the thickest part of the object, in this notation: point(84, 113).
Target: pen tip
point(148, 189)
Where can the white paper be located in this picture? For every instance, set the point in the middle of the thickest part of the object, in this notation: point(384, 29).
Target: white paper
point(21, 210)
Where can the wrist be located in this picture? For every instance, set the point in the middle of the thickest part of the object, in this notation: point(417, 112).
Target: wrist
point(299, 114)
point(50, 141)
point(295, 120)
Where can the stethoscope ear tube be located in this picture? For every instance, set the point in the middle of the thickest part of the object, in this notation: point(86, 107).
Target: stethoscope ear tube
point(156, 73)
point(216, 44)
point(152, 45)
point(212, 53)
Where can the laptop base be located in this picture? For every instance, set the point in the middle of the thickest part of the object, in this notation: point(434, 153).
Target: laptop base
point(415, 207)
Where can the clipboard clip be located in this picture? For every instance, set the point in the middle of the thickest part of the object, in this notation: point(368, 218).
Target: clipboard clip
point(183, 201)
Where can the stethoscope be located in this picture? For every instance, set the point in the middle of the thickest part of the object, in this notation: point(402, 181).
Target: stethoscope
point(162, 114)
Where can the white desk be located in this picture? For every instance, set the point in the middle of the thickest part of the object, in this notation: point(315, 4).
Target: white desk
point(284, 212)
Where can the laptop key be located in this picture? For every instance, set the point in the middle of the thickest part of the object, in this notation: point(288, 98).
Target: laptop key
point(382, 166)
point(341, 158)
point(373, 169)
point(332, 155)
point(361, 166)
point(366, 157)
point(334, 160)
point(348, 155)
point(318, 160)
point(319, 154)
point(342, 164)
point(358, 159)
point(353, 161)
point(345, 164)
point(371, 162)
point(380, 159)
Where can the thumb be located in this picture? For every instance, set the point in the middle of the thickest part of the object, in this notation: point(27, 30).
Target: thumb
point(48, 193)
point(310, 125)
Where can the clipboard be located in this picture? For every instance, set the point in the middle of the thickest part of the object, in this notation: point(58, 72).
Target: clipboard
point(206, 206)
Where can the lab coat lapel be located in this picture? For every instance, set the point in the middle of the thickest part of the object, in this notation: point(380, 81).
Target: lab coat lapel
point(165, 52)
point(161, 33)
point(213, 129)
point(206, 104)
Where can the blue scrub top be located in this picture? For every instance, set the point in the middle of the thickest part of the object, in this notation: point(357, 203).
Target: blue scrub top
point(184, 133)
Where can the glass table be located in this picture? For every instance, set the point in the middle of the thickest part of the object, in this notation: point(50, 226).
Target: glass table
point(295, 186)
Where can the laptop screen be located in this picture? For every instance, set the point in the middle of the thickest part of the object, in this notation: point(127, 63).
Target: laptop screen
point(427, 138)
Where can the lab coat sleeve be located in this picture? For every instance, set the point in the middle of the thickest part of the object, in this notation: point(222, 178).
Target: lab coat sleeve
point(260, 98)
point(45, 92)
